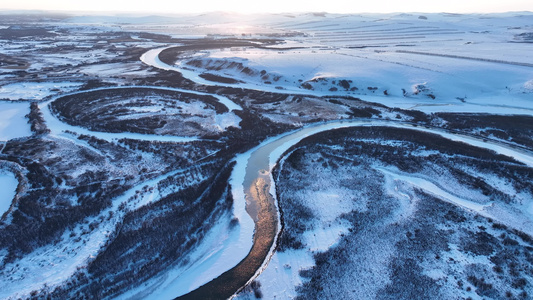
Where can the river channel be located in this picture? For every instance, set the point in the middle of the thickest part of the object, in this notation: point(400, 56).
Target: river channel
point(257, 193)
point(262, 207)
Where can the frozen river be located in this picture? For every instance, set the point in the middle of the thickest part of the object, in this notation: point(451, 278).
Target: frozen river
point(246, 249)
point(259, 226)
point(256, 195)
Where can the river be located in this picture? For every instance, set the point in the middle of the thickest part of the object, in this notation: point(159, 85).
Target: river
point(259, 197)
point(253, 191)
point(247, 252)
point(257, 193)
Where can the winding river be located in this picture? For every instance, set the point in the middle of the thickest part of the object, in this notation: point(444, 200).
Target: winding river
point(58, 127)
point(247, 253)
point(256, 195)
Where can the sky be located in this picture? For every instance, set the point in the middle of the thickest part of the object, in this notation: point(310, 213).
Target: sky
point(271, 6)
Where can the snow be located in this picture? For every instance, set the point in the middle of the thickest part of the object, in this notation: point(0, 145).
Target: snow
point(491, 87)
point(58, 128)
point(435, 190)
point(279, 279)
point(116, 69)
point(248, 165)
point(8, 186)
point(83, 54)
point(220, 250)
point(529, 85)
point(13, 123)
point(208, 259)
point(53, 264)
point(329, 202)
point(151, 58)
point(480, 83)
point(222, 121)
point(239, 242)
point(469, 57)
point(322, 238)
point(194, 111)
point(283, 143)
point(35, 90)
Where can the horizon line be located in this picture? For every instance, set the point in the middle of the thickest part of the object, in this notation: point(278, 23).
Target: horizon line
point(158, 13)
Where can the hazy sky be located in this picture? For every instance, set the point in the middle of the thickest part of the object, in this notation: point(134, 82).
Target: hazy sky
point(275, 6)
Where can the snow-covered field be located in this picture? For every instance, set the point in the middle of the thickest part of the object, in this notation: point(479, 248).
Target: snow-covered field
point(58, 128)
point(52, 265)
point(431, 63)
point(113, 69)
point(455, 84)
point(277, 273)
point(13, 123)
point(8, 186)
point(327, 204)
point(222, 248)
point(437, 63)
point(35, 90)
point(217, 122)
